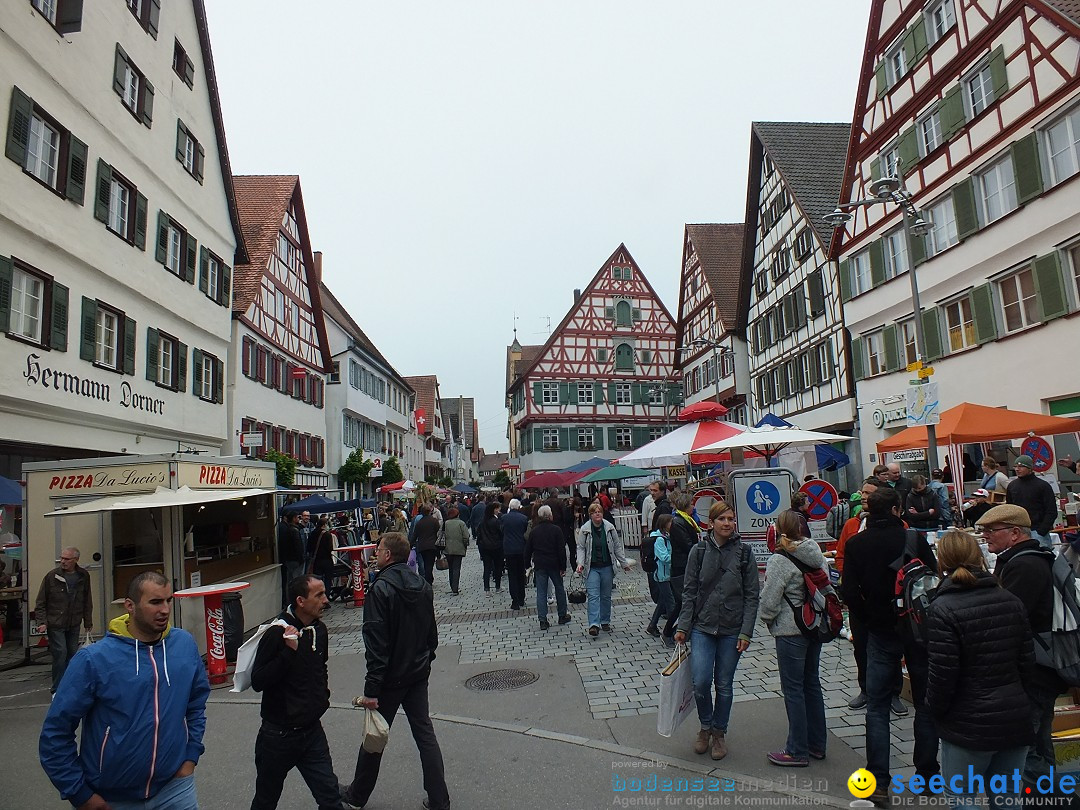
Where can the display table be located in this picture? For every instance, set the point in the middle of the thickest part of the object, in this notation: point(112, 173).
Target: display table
point(356, 556)
point(215, 623)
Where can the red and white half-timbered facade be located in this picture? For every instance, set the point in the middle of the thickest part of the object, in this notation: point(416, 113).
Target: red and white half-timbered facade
point(280, 349)
point(976, 104)
point(603, 383)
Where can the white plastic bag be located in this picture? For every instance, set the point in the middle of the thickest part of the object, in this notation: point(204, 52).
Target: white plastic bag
point(87, 640)
point(676, 692)
point(245, 656)
point(376, 731)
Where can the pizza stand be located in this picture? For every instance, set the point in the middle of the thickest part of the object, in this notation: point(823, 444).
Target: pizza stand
point(199, 521)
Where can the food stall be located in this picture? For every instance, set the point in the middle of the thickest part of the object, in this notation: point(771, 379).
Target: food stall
point(197, 520)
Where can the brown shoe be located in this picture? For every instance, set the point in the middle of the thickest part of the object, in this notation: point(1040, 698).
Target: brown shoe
point(718, 749)
point(701, 744)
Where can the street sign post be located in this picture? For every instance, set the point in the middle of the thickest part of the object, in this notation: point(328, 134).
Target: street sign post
point(923, 404)
point(758, 496)
point(821, 497)
point(1041, 454)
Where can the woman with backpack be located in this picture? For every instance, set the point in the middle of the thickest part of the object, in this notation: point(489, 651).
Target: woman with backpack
point(660, 563)
point(797, 656)
point(719, 608)
point(980, 656)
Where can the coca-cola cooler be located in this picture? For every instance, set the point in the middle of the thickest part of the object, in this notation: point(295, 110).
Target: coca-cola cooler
point(233, 618)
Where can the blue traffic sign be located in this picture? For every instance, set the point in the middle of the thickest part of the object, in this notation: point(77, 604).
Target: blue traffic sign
point(762, 497)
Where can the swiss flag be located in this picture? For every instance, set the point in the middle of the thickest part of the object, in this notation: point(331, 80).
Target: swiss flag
point(420, 419)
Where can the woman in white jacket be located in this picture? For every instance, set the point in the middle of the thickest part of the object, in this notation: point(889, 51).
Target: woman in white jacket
point(797, 656)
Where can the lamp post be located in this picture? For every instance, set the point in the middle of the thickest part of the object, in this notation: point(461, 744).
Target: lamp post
point(886, 190)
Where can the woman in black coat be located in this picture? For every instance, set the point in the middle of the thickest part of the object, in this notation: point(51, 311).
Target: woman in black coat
point(490, 546)
point(980, 654)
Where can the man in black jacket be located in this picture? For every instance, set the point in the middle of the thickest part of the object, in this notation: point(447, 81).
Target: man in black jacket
point(400, 638)
point(923, 506)
point(1036, 496)
point(1024, 568)
point(290, 551)
point(870, 566)
point(290, 670)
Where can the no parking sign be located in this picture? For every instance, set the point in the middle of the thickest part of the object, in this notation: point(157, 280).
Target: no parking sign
point(1041, 455)
point(821, 497)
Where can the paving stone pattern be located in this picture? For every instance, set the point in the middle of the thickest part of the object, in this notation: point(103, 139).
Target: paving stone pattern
point(619, 670)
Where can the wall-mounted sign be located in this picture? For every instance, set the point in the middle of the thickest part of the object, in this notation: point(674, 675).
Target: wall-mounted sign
point(223, 476)
point(254, 439)
point(105, 480)
point(61, 383)
point(908, 455)
point(888, 417)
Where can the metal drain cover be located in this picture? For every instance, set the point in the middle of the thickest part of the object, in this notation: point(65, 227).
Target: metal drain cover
point(500, 679)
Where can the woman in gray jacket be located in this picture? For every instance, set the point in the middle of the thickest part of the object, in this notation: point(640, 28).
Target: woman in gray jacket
point(599, 549)
point(797, 656)
point(457, 541)
point(719, 607)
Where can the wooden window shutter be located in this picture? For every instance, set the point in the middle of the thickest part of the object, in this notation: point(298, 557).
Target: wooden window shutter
point(58, 321)
point(877, 262)
point(815, 290)
point(857, 361)
point(245, 356)
point(799, 306)
point(674, 394)
point(609, 313)
point(892, 354)
point(191, 253)
point(200, 161)
point(882, 79)
point(225, 282)
point(129, 345)
point(1026, 168)
point(982, 313)
point(181, 141)
point(197, 371)
point(1050, 287)
point(787, 313)
point(845, 281)
point(7, 273)
point(646, 356)
point(639, 436)
point(598, 393)
point(635, 314)
point(908, 150)
point(967, 215)
point(999, 77)
point(564, 393)
point(181, 366)
point(18, 136)
point(88, 333)
point(189, 70)
point(120, 64)
point(875, 169)
point(564, 438)
point(538, 394)
point(141, 206)
point(932, 334)
point(538, 438)
point(77, 158)
point(636, 393)
point(154, 13)
point(219, 381)
point(204, 272)
point(601, 355)
point(146, 109)
point(951, 112)
point(162, 252)
point(598, 438)
point(104, 191)
point(917, 249)
point(69, 16)
point(612, 440)
point(811, 356)
point(571, 394)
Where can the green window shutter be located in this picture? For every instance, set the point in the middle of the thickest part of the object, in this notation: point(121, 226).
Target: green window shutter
point(998, 75)
point(812, 364)
point(78, 156)
point(219, 382)
point(571, 394)
point(192, 252)
point(538, 395)
point(1050, 287)
point(104, 190)
point(932, 334)
point(877, 262)
point(129, 345)
point(200, 161)
point(952, 113)
point(640, 436)
point(611, 393)
point(815, 291)
point(7, 272)
point(635, 393)
point(601, 355)
point(564, 438)
point(204, 273)
point(181, 140)
point(598, 393)
point(152, 18)
point(152, 341)
point(845, 281)
point(609, 313)
point(18, 136)
point(58, 327)
point(892, 353)
point(857, 355)
point(1026, 168)
point(908, 150)
point(982, 313)
point(181, 366)
point(875, 169)
point(89, 329)
point(646, 357)
point(783, 393)
point(917, 248)
point(196, 371)
point(598, 438)
point(140, 221)
point(538, 438)
point(800, 307)
point(147, 107)
point(162, 252)
point(674, 394)
point(119, 65)
point(564, 393)
point(919, 42)
point(226, 285)
point(882, 79)
point(967, 216)
point(612, 442)
point(635, 314)
point(787, 313)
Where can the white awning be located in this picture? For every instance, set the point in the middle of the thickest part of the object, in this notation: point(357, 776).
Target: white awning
point(162, 497)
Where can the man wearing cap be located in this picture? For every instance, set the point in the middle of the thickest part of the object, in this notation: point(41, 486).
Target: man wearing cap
point(1036, 496)
point(976, 507)
point(1024, 569)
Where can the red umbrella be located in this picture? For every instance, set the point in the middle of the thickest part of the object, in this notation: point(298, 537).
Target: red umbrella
point(702, 410)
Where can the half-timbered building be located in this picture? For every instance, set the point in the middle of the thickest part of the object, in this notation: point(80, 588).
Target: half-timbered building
point(602, 384)
point(975, 104)
point(798, 354)
point(710, 355)
point(280, 350)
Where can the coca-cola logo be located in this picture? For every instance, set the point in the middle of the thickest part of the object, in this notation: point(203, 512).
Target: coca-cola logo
point(357, 573)
point(215, 623)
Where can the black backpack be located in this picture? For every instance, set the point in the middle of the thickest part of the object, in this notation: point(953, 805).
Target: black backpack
point(916, 586)
point(648, 558)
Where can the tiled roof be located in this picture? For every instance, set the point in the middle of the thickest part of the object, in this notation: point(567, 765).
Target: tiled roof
point(426, 388)
point(334, 309)
point(262, 201)
point(529, 354)
point(1070, 8)
point(450, 414)
point(719, 249)
point(494, 461)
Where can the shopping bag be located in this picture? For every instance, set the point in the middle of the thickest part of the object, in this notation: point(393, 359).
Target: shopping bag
point(412, 560)
point(245, 656)
point(376, 732)
point(676, 692)
point(87, 640)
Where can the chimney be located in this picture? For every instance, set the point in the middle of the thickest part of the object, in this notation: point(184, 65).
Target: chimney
point(318, 267)
point(577, 296)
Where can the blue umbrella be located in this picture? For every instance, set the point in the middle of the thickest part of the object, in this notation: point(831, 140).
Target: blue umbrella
point(10, 492)
point(464, 489)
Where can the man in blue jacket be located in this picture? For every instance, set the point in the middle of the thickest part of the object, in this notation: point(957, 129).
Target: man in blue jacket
point(514, 525)
point(140, 694)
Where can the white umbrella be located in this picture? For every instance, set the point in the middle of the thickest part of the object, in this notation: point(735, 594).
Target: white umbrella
point(671, 449)
point(768, 440)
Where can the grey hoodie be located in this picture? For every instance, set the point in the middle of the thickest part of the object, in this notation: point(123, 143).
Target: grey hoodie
point(783, 578)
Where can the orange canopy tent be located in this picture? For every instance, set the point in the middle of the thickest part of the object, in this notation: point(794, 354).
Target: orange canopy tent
point(968, 423)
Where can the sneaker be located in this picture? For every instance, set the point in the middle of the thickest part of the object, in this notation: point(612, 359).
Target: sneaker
point(544, 624)
point(858, 702)
point(343, 791)
point(786, 760)
point(606, 628)
point(564, 619)
point(594, 630)
point(817, 754)
point(653, 630)
point(898, 707)
point(669, 642)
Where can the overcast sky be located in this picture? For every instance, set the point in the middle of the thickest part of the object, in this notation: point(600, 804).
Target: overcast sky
point(465, 161)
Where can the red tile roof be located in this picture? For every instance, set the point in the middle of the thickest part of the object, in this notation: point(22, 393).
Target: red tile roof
point(262, 201)
point(719, 249)
point(426, 388)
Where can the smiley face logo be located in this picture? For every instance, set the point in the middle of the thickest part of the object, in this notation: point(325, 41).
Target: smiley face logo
point(861, 783)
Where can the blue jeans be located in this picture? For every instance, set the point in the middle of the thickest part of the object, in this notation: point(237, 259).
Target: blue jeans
point(665, 600)
point(179, 794)
point(1044, 539)
point(883, 654)
point(63, 644)
point(541, 578)
point(797, 658)
point(598, 586)
point(712, 663)
point(956, 761)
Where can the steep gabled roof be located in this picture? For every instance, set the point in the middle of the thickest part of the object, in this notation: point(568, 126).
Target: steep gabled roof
point(449, 407)
point(334, 309)
point(494, 461)
point(263, 201)
point(529, 355)
point(719, 249)
point(1068, 8)
point(426, 387)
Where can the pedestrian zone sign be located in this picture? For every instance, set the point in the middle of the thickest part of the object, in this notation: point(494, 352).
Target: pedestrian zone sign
point(758, 500)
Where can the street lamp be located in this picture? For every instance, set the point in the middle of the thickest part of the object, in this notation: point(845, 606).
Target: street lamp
point(886, 190)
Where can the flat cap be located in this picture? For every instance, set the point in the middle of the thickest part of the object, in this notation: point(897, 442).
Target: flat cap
point(1008, 513)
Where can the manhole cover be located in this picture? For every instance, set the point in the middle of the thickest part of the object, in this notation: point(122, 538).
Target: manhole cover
point(501, 679)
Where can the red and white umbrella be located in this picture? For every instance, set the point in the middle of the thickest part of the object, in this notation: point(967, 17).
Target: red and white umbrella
point(672, 449)
point(403, 486)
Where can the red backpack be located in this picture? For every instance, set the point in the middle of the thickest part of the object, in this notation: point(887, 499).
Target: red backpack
point(820, 616)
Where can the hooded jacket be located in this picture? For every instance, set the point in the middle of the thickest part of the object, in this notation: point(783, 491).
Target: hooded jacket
point(400, 635)
point(784, 579)
point(294, 683)
point(721, 590)
point(143, 714)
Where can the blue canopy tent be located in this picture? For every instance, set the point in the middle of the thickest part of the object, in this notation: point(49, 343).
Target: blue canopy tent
point(10, 492)
point(321, 505)
point(464, 489)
